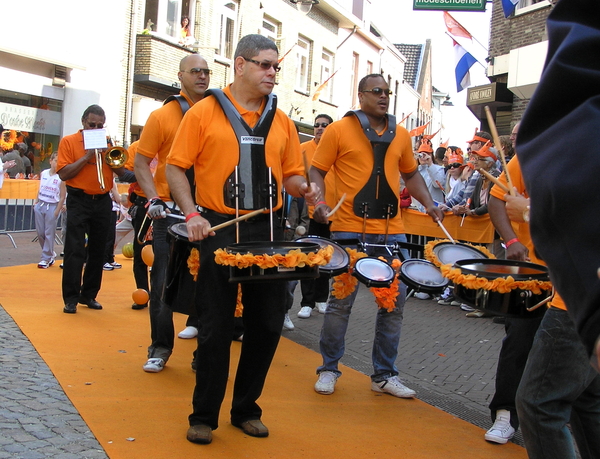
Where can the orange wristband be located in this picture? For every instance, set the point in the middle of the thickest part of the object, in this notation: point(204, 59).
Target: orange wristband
point(507, 244)
point(192, 215)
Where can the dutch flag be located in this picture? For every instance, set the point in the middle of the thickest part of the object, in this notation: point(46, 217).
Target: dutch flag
point(464, 61)
point(509, 6)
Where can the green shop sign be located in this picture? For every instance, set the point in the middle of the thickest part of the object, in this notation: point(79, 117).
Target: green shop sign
point(449, 5)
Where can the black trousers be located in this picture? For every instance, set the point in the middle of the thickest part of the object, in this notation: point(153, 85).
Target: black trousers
point(263, 320)
point(89, 215)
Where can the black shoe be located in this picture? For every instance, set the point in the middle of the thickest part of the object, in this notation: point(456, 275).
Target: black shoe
point(70, 308)
point(139, 306)
point(499, 320)
point(92, 304)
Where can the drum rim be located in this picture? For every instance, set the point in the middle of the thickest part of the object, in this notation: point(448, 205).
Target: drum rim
point(441, 245)
point(277, 245)
point(404, 275)
point(328, 268)
point(543, 275)
point(356, 271)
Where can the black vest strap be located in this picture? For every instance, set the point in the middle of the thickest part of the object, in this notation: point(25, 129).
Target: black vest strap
point(377, 199)
point(185, 106)
point(252, 184)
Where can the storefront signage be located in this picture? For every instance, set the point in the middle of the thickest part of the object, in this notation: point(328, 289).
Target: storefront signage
point(29, 119)
point(449, 5)
point(481, 94)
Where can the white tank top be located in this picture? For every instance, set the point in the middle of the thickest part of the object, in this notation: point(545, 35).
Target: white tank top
point(49, 187)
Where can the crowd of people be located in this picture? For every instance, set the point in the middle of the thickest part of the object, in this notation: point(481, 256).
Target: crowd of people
point(363, 169)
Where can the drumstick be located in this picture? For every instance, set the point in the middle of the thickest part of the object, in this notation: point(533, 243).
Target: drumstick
point(239, 219)
point(337, 206)
point(306, 171)
point(446, 231)
point(490, 120)
point(467, 206)
point(494, 179)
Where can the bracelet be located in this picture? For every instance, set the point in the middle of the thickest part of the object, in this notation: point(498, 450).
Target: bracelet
point(507, 244)
point(319, 203)
point(151, 201)
point(192, 215)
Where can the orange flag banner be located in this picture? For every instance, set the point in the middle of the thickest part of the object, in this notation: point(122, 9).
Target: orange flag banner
point(287, 52)
point(405, 118)
point(431, 136)
point(454, 27)
point(320, 88)
point(419, 130)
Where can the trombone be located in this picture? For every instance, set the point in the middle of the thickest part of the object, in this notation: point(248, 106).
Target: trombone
point(115, 157)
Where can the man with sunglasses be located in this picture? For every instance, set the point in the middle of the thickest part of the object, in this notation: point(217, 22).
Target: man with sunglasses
point(315, 291)
point(90, 210)
point(155, 142)
point(235, 138)
point(369, 153)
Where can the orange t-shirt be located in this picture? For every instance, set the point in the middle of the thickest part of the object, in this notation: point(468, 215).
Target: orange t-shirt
point(131, 151)
point(309, 148)
point(157, 138)
point(70, 149)
point(345, 148)
point(522, 229)
point(206, 140)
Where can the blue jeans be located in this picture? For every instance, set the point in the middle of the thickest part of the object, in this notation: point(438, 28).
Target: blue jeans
point(387, 324)
point(162, 330)
point(559, 386)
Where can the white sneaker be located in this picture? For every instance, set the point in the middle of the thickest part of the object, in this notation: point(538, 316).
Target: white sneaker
point(43, 264)
point(466, 307)
point(326, 383)
point(188, 333)
point(321, 307)
point(501, 431)
point(394, 387)
point(154, 365)
point(287, 323)
point(422, 296)
point(305, 312)
point(108, 267)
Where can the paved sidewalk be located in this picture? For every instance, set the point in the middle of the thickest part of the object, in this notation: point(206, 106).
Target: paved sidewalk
point(450, 361)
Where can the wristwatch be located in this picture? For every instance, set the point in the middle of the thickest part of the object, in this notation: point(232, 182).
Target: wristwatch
point(526, 214)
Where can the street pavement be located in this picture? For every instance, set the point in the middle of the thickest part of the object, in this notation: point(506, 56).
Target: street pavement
point(447, 358)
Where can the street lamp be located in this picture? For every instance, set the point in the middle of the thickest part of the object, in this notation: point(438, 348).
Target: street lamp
point(304, 6)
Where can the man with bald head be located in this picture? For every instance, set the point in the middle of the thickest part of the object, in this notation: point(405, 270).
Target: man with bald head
point(155, 142)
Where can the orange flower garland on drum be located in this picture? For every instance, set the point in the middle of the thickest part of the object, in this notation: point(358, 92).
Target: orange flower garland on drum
point(432, 257)
point(193, 263)
point(386, 297)
point(294, 258)
point(500, 285)
point(345, 283)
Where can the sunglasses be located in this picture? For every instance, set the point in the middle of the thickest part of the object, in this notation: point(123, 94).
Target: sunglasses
point(379, 91)
point(264, 65)
point(454, 166)
point(94, 125)
point(196, 71)
point(323, 125)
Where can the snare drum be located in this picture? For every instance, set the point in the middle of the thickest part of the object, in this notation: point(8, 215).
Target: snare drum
point(449, 253)
point(373, 272)
point(514, 303)
point(180, 287)
point(255, 273)
point(339, 260)
point(422, 276)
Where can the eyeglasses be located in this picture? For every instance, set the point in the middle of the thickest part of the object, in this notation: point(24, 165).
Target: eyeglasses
point(379, 91)
point(196, 71)
point(95, 125)
point(323, 125)
point(454, 166)
point(264, 65)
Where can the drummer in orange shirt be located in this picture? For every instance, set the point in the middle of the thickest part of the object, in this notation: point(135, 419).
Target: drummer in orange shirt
point(237, 129)
point(369, 153)
point(557, 386)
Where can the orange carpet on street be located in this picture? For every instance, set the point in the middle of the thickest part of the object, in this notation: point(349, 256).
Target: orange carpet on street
point(97, 357)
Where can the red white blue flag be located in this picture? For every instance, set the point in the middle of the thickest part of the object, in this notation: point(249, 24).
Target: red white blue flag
point(509, 6)
point(464, 62)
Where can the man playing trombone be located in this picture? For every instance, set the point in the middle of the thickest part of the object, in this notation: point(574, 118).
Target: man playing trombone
point(88, 179)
